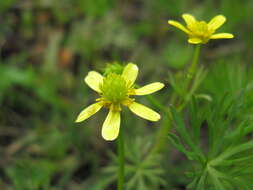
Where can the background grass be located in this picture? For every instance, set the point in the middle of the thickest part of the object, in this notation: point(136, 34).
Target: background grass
point(46, 49)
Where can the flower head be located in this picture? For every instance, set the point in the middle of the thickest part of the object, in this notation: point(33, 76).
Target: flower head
point(200, 32)
point(115, 91)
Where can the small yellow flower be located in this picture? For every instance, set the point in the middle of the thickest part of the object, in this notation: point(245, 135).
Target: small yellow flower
point(115, 90)
point(200, 32)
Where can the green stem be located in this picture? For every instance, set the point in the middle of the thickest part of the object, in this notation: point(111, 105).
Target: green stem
point(164, 129)
point(190, 75)
point(121, 157)
point(192, 69)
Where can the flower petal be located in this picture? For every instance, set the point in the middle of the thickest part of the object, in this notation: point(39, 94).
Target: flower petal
point(148, 89)
point(144, 112)
point(189, 20)
point(130, 73)
point(194, 41)
point(179, 26)
point(221, 35)
point(110, 129)
point(216, 22)
point(94, 80)
point(89, 111)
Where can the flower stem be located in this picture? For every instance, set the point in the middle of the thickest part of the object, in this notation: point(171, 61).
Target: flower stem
point(121, 157)
point(164, 129)
point(192, 69)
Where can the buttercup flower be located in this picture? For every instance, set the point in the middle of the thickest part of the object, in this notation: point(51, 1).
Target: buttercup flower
point(200, 32)
point(115, 91)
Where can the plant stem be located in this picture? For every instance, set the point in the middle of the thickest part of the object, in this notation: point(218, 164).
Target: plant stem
point(190, 75)
point(121, 157)
point(192, 69)
point(164, 129)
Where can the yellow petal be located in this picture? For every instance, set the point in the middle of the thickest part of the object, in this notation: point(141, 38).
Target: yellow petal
point(148, 89)
point(194, 41)
point(222, 35)
point(216, 22)
point(144, 112)
point(189, 19)
point(89, 111)
point(179, 26)
point(94, 80)
point(130, 73)
point(110, 129)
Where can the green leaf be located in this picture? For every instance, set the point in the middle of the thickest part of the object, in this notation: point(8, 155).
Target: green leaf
point(176, 142)
point(201, 182)
point(195, 121)
point(181, 129)
point(216, 177)
point(232, 151)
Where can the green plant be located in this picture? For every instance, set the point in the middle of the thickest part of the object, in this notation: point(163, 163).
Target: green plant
point(217, 142)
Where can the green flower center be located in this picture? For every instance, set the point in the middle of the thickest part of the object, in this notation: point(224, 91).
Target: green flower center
point(200, 29)
point(114, 88)
point(113, 68)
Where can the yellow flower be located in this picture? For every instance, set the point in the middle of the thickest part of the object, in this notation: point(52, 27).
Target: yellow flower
point(115, 90)
point(200, 32)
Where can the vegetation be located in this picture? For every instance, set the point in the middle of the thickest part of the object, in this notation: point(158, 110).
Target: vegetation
point(203, 140)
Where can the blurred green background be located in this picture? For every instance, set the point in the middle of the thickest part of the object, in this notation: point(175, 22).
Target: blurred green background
point(46, 49)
